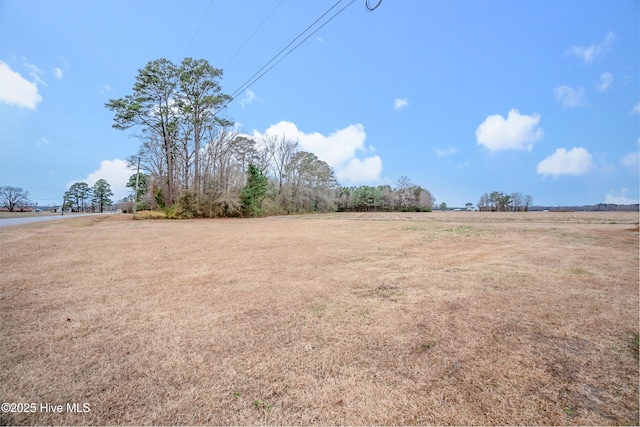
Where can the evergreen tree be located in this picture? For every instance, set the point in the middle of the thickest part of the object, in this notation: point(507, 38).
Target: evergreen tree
point(143, 185)
point(101, 194)
point(78, 194)
point(253, 192)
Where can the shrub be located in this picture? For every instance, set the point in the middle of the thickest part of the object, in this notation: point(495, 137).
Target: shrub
point(184, 208)
point(271, 207)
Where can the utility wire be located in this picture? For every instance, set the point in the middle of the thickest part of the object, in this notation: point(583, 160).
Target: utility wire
point(370, 8)
point(252, 34)
point(294, 48)
point(249, 81)
point(198, 29)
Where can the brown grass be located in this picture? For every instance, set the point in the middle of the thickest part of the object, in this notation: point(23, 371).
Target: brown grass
point(150, 215)
point(435, 318)
point(7, 215)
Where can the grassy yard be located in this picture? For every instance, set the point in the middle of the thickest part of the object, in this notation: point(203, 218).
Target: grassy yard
point(7, 215)
point(376, 318)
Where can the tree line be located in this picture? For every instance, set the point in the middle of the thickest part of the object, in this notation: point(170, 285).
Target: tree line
point(195, 162)
point(82, 198)
point(498, 201)
point(405, 197)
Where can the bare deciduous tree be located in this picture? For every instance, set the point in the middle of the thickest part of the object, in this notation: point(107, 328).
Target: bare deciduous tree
point(13, 198)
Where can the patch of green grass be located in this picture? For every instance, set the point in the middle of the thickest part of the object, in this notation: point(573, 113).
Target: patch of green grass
point(319, 310)
point(581, 271)
point(237, 394)
point(423, 347)
point(569, 410)
point(261, 404)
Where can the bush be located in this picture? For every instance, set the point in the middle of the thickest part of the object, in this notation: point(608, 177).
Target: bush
point(176, 212)
point(185, 207)
point(217, 204)
point(271, 207)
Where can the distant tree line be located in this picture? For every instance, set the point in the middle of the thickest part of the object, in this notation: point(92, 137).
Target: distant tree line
point(82, 198)
point(498, 201)
point(405, 197)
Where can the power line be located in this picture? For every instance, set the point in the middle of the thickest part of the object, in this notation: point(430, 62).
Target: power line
point(294, 48)
point(250, 81)
point(198, 29)
point(252, 34)
point(370, 8)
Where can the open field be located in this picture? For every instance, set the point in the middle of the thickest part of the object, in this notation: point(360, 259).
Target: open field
point(358, 318)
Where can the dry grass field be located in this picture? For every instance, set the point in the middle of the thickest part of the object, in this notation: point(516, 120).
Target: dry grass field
point(8, 215)
point(351, 319)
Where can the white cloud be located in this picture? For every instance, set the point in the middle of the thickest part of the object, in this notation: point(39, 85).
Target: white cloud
point(367, 170)
point(577, 161)
point(606, 80)
point(34, 72)
point(399, 103)
point(621, 198)
point(631, 161)
point(16, 90)
point(248, 98)
point(446, 152)
point(570, 97)
point(42, 141)
point(105, 88)
point(342, 150)
point(517, 131)
point(589, 53)
point(116, 173)
point(636, 109)
point(57, 72)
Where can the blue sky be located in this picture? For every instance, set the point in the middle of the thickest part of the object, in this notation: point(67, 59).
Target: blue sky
point(462, 96)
